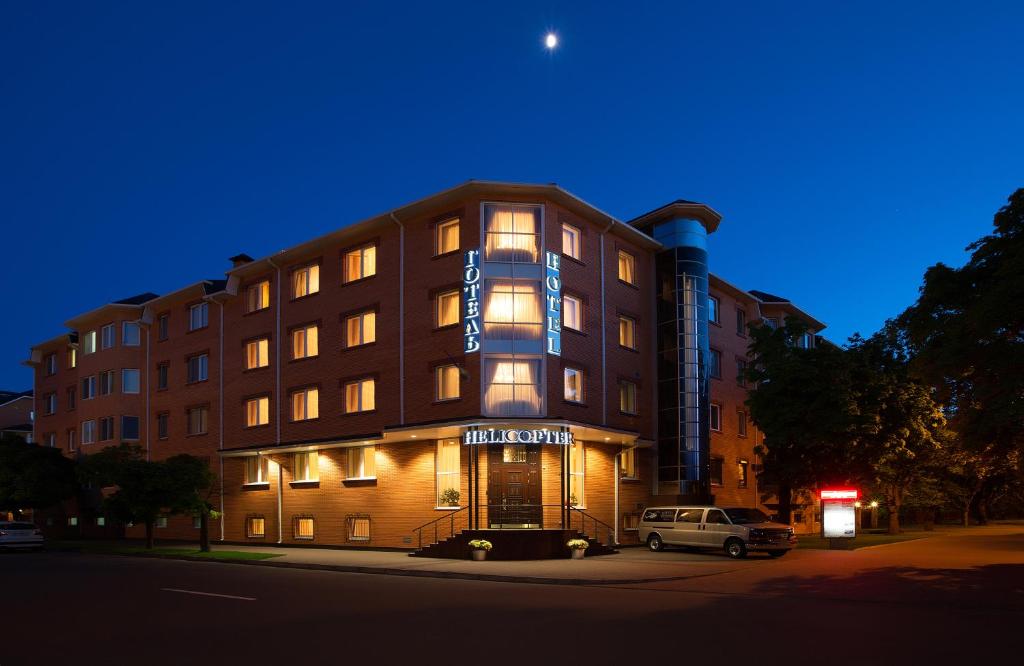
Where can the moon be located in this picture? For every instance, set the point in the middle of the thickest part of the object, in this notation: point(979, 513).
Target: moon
point(551, 40)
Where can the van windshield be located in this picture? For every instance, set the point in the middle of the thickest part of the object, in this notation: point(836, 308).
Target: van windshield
point(746, 516)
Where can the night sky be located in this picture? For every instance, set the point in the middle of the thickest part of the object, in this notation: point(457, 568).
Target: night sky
point(847, 148)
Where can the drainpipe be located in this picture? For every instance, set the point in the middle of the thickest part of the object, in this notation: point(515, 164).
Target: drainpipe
point(618, 468)
point(280, 502)
point(149, 434)
point(401, 319)
point(604, 335)
point(277, 352)
point(220, 418)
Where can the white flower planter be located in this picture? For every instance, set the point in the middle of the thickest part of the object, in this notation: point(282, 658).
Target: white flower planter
point(479, 554)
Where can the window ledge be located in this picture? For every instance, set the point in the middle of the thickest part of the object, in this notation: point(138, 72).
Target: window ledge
point(310, 483)
point(632, 479)
point(360, 478)
point(447, 508)
point(345, 283)
point(262, 485)
point(449, 253)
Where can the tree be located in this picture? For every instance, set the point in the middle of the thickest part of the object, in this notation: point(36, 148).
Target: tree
point(192, 486)
point(33, 476)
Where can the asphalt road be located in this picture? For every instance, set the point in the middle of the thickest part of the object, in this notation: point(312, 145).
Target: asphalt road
point(947, 600)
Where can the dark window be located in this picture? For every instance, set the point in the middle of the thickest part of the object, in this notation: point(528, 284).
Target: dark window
point(161, 425)
point(197, 368)
point(106, 428)
point(106, 382)
point(71, 397)
point(161, 375)
point(741, 423)
point(197, 420)
point(741, 322)
point(129, 427)
point(715, 364)
point(51, 364)
point(741, 372)
point(716, 517)
point(713, 307)
point(716, 417)
point(690, 515)
point(162, 326)
point(716, 471)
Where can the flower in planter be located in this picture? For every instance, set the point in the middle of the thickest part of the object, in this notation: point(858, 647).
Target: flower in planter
point(480, 544)
point(450, 497)
point(577, 544)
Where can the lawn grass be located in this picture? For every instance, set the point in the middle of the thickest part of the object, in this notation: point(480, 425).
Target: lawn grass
point(113, 548)
point(862, 540)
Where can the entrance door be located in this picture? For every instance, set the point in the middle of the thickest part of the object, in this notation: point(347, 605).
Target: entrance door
point(513, 486)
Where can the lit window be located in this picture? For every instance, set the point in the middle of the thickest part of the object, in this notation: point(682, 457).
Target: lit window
point(198, 316)
point(198, 367)
point(303, 527)
point(107, 336)
point(257, 354)
point(358, 528)
point(577, 471)
point(362, 463)
point(72, 357)
point(162, 423)
point(257, 411)
point(448, 236)
point(361, 263)
point(359, 396)
point(448, 308)
point(88, 432)
point(627, 397)
point(716, 471)
point(306, 404)
point(106, 428)
point(101, 521)
point(447, 466)
point(306, 281)
point(130, 334)
point(163, 324)
point(571, 241)
point(89, 387)
point(307, 466)
point(627, 463)
point(197, 420)
point(627, 268)
point(716, 417)
point(106, 382)
point(627, 332)
point(51, 364)
point(741, 474)
point(513, 310)
point(162, 371)
point(513, 388)
point(447, 382)
point(257, 296)
point(572, 312)
point(305, 342)
point(573, 385)
point(741, 423)
point(130, 427)
point(129, 380)
point(361, 329)
point(255, 527)
point(255, 470)
point(72, 521)
point(512, 233)
point(713, 307)
point(89, 342)
point(741, 322)
point(715, 364)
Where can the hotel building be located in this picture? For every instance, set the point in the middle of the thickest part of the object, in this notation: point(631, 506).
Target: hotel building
point(494, 356)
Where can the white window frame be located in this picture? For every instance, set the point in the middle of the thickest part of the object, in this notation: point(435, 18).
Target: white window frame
point(362, 252)
point(578, 308)
point(202, 368)
point(576, 243)
point(262, 353)
point(89, 431)
point(360, 320)
point(305, 394)
point(439, 309)
point(358, 383)
point(306, 281)
point(261, 471)
point(627, 259)
point(306, 467)
point(439, 379)
point(439, 235)
point(258, 407)
point(89, 343)
point(715, 408)
point(355, 463)
point(581, 378)
point(305, 341)
point(257, 296)
point(108, 336)
point(203, 312)
point(93, 385)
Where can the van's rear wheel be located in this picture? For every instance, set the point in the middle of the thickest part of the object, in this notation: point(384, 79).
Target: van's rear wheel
point(654, 543)
point(735, 549)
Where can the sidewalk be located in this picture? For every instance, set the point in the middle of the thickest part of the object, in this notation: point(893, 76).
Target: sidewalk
point(630, 566)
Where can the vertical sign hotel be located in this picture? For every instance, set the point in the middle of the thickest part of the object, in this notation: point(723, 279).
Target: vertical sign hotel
point(553, 316)
point(471, 293)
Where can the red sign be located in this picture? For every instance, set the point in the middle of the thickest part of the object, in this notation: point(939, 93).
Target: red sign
point(839, 494)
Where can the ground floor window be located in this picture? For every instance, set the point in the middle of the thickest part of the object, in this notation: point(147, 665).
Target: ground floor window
point(627, 464)
point(255, 470)
point(358, 527)
point(577, 471)
point(447, 465)
point(72, 521)
point(255, 527)
point(161, 522)
point(716, 471)
point(362, 463)
point(302, 527)
point(197, 522)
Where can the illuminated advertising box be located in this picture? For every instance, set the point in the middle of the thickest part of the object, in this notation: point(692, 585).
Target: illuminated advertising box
point(839, 513)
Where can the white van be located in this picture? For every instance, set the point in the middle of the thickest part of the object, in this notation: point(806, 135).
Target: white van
point(735, 530)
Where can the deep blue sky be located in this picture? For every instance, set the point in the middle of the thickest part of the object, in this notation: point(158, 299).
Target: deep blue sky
point(847, 148)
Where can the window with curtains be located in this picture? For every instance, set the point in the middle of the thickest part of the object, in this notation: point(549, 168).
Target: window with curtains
point(627, 397)
point(255, 527)
point(572, 312)
point(198, 419)
point(627, 332)
point(362, 463)
point(72, 358)
point(306, 404)
point(742, 467)
point(627, 268)
point(89, 342)
point(306, 466)
point(571, 241)
point(447, 465)
point(257, 296)
point(257, 354)
point(257, 411)
point(360, 263)
point(716, 471)
point(305, 342)
point(512, 388)
point(447, 382)
point(577, 475)
point(358, 527)
point(360, 396)
point(255, 470)
point(448, 308)
point(361, 329)
point(306, 281)
point(573, 378)
point(627, 464)
point(447, 236)
point(513, 310)
point(512, 233)
point(302, 527)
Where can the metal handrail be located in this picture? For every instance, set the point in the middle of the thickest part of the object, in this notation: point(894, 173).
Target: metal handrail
point(450, 517)
point(491, 508)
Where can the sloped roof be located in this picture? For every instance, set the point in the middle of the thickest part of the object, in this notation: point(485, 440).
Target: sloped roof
point(766, 297)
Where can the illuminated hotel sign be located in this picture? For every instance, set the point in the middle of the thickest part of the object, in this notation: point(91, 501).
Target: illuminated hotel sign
point(516, 436)
point(471, 301)
point(553, 298)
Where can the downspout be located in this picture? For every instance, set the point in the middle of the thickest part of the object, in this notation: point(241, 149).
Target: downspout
point(280, 502)
point(149, 433)
point(220, 418)
point(277, 396)
point(618, 469)
point(604, 336)
point(401, 319)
